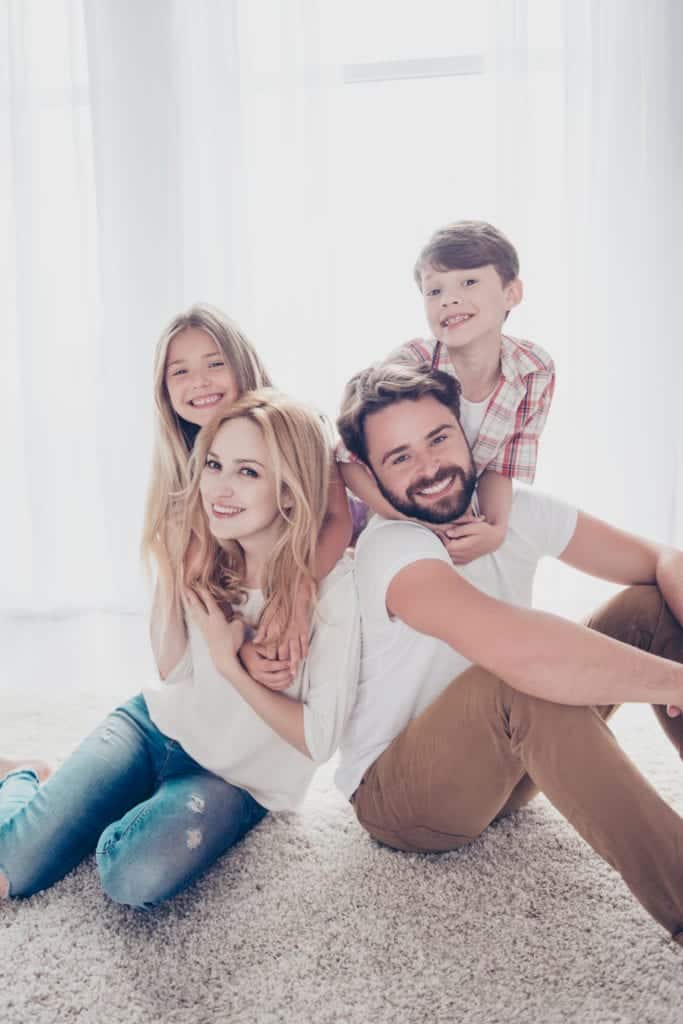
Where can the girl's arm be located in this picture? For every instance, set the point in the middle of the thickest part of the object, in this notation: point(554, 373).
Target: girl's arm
point(289, 646)
point(168, 634)
point(284, 715)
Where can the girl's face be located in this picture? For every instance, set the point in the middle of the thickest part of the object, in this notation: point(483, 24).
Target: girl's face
point(198, 380)
point(238, 487)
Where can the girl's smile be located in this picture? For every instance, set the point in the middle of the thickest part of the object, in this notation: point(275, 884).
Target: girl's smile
point(198, 380)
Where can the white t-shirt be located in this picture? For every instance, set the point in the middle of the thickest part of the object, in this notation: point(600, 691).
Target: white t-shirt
point(471, 418)
point(199, 708)
point(402, 671)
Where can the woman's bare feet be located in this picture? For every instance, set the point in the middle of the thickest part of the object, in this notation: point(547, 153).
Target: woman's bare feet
point(13, 764)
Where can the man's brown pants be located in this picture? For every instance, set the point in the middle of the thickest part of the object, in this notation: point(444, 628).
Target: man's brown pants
point(483, 749)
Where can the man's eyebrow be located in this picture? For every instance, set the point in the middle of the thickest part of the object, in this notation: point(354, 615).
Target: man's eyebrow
point(404, 447)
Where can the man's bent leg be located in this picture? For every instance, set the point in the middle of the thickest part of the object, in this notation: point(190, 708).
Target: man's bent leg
point(456, 767)
point(639, 616)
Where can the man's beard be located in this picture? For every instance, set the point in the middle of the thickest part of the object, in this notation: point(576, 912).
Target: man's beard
point(445, 510)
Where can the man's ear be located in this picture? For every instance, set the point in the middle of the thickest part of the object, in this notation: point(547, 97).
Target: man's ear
point(514, 293)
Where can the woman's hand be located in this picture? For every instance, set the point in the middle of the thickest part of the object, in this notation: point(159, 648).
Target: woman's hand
point(271, 640)
point(275, 675)
point(223, 638)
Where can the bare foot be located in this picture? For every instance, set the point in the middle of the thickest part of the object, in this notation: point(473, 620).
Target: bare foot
point(13, 764)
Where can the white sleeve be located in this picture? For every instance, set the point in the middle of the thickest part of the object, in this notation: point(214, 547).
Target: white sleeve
point(330, 672)
point(550, 521)
point(385, 547)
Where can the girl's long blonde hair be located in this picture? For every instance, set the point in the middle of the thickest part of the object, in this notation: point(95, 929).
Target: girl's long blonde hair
point(298, 446)
point(173, 436)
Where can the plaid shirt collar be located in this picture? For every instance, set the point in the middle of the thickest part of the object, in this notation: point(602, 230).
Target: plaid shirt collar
point(515, 363)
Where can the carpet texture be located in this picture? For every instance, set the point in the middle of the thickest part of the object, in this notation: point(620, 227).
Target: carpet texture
point(309, 920)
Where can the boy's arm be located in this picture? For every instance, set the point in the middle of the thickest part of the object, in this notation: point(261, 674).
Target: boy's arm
point(535, 652)
point(472, 539)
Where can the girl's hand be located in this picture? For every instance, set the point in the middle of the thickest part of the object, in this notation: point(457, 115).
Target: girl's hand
point(275, 675)
point(272, 642)
point(223, 638)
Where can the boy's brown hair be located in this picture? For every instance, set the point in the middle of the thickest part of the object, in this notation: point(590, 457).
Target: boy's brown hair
point(383, 384)
point(465, 244)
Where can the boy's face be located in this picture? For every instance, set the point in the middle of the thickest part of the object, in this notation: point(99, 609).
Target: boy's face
point(464, 306)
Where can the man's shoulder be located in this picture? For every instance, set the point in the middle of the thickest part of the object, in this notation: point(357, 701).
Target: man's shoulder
point(397, 539)
point(543, 520)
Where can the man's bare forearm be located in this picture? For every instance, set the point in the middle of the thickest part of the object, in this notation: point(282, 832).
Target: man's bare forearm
point(535, 652)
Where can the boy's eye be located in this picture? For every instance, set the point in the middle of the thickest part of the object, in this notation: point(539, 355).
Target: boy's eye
point(213, 464)
point(433, 291)
point(470, 281)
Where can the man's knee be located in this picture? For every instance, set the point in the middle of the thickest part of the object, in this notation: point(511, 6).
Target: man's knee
point(632, 616)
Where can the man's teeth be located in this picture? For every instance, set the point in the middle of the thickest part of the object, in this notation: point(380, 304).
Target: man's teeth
point(206, 400)
point(438, 487)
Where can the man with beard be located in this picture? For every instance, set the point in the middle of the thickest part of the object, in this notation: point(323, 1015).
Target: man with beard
point(469, 702)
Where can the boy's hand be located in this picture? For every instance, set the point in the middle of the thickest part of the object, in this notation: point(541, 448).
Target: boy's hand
point(275, 675)
point(223, 638)
point(273, 643)
point(673, 711)
point(470, 538)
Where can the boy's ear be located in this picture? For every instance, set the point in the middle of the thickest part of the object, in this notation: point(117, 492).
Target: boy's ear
point(514, 292)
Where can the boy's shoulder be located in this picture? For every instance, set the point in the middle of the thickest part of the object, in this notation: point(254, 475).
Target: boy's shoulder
point(524, 357)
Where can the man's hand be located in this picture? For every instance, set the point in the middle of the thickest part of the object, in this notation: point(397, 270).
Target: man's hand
point(271, 640)
point(470, 538)
point(223, 638)
point(275, 675)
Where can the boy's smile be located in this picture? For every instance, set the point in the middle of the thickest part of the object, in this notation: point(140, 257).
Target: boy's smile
point(464, 306)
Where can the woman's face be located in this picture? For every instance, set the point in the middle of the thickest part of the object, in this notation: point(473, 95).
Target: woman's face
point(198, 380)
point(238, 487)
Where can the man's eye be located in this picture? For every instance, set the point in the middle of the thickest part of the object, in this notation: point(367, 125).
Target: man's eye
point(439, 438)
point(213, 464)
point(399, 459)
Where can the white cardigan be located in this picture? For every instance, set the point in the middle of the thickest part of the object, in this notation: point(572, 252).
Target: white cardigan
point(200, 709)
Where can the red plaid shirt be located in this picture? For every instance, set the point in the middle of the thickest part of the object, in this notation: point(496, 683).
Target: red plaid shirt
point(517, 410)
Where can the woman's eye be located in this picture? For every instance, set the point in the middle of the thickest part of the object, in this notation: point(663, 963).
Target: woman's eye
point(248, 471)
point(213, 464)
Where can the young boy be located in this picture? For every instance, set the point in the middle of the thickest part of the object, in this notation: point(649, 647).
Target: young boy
point(468, 276)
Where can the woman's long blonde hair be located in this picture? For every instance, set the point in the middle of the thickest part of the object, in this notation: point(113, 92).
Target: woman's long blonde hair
point(298, 446)
point(173, 436)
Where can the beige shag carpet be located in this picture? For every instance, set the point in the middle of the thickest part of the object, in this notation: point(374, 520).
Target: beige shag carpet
point(308, 920)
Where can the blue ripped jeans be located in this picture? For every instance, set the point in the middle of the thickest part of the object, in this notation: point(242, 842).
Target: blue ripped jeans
point(155, 817)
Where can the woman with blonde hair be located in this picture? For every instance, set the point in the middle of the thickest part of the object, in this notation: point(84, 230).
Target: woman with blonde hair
point(177, 775)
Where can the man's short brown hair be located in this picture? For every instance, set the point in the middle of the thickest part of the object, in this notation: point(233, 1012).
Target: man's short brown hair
point(384, 384)
point(466, 244)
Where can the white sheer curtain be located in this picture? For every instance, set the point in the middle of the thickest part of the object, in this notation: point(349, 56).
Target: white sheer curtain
point(159, 153)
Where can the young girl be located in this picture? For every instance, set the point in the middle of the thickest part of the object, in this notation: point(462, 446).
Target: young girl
point(180, 773)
